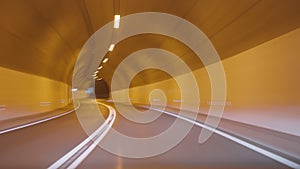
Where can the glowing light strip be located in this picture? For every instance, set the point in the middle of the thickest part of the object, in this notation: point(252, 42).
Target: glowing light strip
point(105, 60)
point(45, 103)
point(74, 90)
point(2, 107)
point(178, 101)
point(111, 47)
point(117, 21)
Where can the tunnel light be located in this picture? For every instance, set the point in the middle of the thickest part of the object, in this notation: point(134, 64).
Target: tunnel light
point(156, 100)
point(99, 79)
point(95, 77)
point(45, 103)
point(99, 67)
point(178, 101)
point(2, 107)
point(74, 90)
point(96, 72)
point(117, 21)
point(105, 60)
point(111, 47)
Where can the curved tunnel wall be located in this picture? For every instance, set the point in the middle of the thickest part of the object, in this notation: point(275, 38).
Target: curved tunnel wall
point(262, 85)
point(25, 94)
point(40, 41)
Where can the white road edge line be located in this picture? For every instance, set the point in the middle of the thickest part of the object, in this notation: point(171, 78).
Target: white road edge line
point(264, 152)
point(96, 142)
point(38, 122)
point(65, 158)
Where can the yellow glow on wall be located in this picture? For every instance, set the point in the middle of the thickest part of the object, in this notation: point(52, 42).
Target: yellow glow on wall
point(25, 94)
point(262, 85)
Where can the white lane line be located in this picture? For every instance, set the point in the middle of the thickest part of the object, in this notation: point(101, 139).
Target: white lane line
point(66, 157)
point(38, 122)
point(107, 123)
point(267, 153)
point(95, 143)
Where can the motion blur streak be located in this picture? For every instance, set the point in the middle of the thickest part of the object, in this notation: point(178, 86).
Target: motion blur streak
point(39, 121)
point(88, 145)
point(237, 140)
point(42, 40)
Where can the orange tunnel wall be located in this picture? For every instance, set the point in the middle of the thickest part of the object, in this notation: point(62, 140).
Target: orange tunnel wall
point(262, 85)
point(25, 94)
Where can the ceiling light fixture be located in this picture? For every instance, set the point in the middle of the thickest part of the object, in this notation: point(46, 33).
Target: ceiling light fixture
point(74, 90)
point(105, 60)
point(111, 47)
point(117, 21)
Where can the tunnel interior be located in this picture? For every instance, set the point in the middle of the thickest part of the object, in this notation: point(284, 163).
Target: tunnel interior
point(40, 49)
point(44, 47)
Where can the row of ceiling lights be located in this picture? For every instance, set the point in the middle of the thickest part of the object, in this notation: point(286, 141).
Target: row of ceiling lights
point(111, 47)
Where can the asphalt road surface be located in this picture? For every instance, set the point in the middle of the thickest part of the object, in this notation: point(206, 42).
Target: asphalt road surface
point(41, 145)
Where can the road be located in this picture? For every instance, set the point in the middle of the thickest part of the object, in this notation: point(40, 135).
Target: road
point(41, 145)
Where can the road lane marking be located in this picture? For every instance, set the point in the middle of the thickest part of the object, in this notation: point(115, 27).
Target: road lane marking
point(37, 122)
point(88, 145)
point(264, 152)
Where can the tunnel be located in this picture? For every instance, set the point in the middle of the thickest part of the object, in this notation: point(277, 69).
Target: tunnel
point(101, 89)
point(149, 84)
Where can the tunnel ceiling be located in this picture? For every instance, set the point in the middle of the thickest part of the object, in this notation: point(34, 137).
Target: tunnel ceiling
point(45, 37)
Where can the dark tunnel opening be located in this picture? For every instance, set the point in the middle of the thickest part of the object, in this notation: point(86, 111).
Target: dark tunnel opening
point(101, 89)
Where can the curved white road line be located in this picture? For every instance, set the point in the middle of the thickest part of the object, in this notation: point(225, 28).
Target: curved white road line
point(100, 133)
point(38, 122)
point(264, 152)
